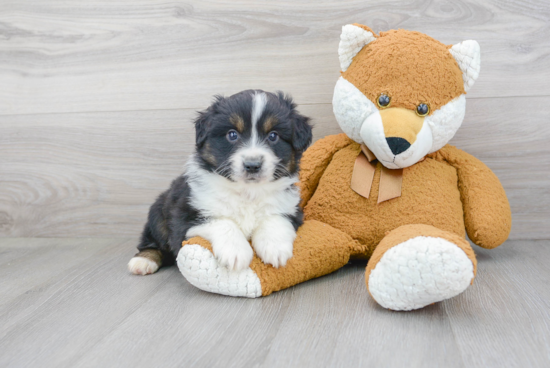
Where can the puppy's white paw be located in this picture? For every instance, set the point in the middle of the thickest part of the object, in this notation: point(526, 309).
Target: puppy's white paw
point(142, 266)
point(235, 254)
point(273, 252)
point(273, 241)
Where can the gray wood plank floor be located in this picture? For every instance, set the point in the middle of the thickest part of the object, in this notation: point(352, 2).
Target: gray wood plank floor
point(71, 303)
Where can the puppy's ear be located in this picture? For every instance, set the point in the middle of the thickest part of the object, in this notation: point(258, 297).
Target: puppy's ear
point(302, 132)
point(302, 135)
point(202, 123)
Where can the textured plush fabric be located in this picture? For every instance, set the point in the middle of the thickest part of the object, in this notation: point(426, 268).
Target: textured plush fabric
point(468, 56)
point(197, 264)
point(406, 232)
point(447, 189)
point(352, 40)
point(430, 195)
point(319, 249)
point(487, 214)
point(410, 67)
point(315, 161)
point(417, 265)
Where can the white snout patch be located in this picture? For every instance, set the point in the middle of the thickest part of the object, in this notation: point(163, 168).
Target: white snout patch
point(374, 138)
point(253, 151)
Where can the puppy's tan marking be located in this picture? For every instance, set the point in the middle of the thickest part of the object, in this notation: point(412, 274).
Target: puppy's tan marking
point(269, 123)
point(237, 121)
point(208, 156)
point(291, 166)
point(145, 262)
point(151, 254)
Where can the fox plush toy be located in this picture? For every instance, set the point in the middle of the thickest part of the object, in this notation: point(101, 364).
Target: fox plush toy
point(389, 189)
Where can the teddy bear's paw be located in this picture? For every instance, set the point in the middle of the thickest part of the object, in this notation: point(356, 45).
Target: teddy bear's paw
point(418, 272)
point(199, 266)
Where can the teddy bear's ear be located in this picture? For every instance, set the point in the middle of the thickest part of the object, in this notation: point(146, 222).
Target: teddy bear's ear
point(468, 56)
point(353, 38)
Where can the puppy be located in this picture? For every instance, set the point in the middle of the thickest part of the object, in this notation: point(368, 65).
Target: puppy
point(238, 186)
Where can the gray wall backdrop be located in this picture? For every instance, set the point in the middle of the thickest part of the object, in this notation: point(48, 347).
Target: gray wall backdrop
point(97, 97)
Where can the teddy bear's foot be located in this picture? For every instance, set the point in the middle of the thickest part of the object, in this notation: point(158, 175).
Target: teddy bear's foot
point(418, 265)
point(319, 249)
point(199, 266)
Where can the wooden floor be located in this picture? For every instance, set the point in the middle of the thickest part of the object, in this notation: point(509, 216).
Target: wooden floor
point(71, 303)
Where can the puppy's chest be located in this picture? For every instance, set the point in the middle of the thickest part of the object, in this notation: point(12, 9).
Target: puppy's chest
point(248, 208)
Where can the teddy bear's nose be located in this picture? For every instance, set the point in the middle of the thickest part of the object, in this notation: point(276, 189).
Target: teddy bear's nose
point(398, 145)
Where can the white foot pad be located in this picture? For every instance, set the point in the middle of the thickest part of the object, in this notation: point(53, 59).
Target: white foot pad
point(203, 271)
point(142, 266)
point(419, 272)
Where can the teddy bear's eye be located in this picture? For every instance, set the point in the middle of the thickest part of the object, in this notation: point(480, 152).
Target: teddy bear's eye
point(384, 100)
point(422, 109)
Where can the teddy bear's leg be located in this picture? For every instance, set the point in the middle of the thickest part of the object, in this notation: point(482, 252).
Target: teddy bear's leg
point(417, 265)
point(319, 249)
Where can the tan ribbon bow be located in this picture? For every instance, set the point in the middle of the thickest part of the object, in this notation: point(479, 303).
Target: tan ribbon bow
point(363, 176)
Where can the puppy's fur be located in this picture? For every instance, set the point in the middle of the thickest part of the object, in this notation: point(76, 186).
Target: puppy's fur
point(239, 185)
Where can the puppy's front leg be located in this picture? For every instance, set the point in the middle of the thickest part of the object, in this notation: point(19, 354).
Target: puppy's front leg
point(229, 244)
point(273, 240)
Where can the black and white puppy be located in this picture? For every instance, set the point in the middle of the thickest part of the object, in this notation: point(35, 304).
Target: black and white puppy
point(238, 186)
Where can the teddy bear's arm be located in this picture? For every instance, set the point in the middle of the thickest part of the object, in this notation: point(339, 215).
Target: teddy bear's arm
point(487, 214)
point(315, 160)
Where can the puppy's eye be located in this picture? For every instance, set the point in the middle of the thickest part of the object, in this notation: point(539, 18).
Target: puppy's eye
point(273, 137)
point(383, 100)
point(232, 136)
point(422, 109)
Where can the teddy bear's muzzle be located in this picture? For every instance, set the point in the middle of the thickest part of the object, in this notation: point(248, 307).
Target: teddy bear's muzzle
point(397, 145)
point(401, 127)
point(398, 137)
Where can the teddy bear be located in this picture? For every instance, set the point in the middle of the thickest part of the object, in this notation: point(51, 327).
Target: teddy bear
point(389, 189)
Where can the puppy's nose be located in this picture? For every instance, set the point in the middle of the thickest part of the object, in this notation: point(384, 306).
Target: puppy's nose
point(398, 145)
point(252, 166)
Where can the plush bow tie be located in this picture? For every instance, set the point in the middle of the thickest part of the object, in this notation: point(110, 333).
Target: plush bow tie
point(363, 176)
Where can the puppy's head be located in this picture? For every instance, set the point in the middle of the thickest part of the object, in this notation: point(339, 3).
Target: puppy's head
point(252, 136)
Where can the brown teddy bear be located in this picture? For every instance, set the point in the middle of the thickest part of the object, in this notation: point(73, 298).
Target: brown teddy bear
point(390, 189)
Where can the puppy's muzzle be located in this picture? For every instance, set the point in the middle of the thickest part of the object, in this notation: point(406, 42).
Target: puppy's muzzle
point(252, 166)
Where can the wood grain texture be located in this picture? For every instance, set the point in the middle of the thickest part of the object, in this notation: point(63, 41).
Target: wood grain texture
point(92, 313)
point(105, 55)
point(98, 99)
point(96, 174)
point(96, 106)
